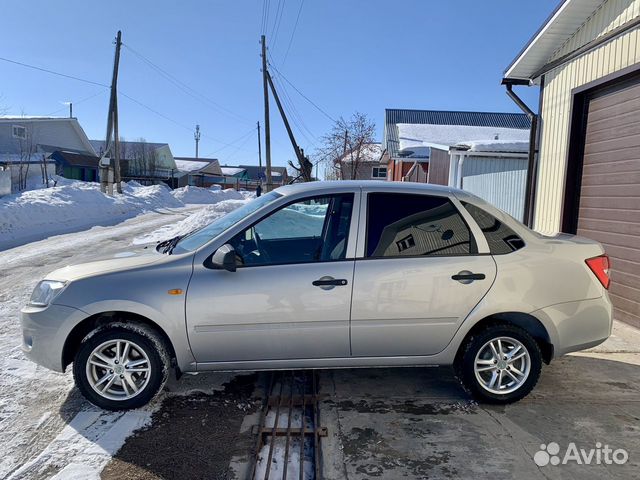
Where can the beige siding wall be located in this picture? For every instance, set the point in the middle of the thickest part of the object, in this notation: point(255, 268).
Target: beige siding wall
point(615, 55)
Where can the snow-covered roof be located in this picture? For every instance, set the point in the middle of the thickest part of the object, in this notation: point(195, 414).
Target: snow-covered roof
point(445, 118)
point(416, 140)
point(371, 152)
point(231, 170)
point(563, 22)
point(501, 146)
point(29, 117)
point(190, 165)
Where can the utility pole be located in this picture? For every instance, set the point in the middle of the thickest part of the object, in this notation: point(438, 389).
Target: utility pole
point(259, 153)
point(267, 130)
point(70, 109)
point(196, 136)
point(108, 171)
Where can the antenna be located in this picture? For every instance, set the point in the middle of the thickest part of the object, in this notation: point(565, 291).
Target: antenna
point(196, 136)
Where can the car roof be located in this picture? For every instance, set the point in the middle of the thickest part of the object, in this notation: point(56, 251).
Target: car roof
point(378, 185)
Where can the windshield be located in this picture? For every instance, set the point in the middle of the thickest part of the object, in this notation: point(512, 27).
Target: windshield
point(199, 237)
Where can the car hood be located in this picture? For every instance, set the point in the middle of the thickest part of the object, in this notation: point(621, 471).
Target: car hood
point(119, 262)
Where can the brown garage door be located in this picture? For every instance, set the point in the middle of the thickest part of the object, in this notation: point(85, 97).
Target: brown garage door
point(610, 192)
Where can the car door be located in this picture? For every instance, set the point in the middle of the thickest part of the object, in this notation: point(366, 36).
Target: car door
point(290, 296)
point(417, 277)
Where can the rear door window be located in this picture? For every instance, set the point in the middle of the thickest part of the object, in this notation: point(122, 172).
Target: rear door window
point(501, 239)
point(400, 225)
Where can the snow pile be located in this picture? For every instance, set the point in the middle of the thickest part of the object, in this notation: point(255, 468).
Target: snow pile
point(194, 221)
point(197, 195)
point(415, 137)
point(73, 206)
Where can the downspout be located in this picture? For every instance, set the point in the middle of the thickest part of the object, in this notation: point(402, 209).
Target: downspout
point(532, 164)
point(461, 158)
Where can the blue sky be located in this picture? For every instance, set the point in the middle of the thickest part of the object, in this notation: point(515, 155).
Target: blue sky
point(345, 56)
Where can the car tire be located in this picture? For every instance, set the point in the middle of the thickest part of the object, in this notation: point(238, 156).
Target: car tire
point(503, 378)
point(121, 366)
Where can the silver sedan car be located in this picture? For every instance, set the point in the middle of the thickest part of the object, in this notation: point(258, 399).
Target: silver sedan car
point(328, 275)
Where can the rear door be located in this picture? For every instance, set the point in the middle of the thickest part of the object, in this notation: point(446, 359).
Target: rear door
point(418, 275)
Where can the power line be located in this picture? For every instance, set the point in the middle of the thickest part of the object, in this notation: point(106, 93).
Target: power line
point(230, 144)
point(152, 110)
point(186, 88)
point(293, 32)
point(235, 152)
point(296, 118)
point(76, 103)
point(302, 94)
point(72, 77)
point(264, 14)
point(278, 20)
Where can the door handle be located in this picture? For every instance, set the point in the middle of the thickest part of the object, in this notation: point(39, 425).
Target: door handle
point(466, 277)
point(327, 283)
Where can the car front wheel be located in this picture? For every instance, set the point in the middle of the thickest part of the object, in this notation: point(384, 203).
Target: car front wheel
point(500, 364)
point(121, 367)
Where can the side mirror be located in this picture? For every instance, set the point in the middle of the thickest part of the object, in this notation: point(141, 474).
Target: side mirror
point(225, 258)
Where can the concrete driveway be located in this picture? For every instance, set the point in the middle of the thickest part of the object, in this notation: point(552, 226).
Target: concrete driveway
point(418, 423)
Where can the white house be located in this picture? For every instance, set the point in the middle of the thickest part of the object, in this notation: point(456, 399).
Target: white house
point(26, 141)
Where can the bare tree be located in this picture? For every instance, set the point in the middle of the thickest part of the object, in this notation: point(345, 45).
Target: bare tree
point(3, 107)
point(28, 147)
point(345, 146)
point(43, 170)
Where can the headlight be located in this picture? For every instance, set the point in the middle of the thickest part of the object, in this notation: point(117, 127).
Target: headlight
point(45, 292)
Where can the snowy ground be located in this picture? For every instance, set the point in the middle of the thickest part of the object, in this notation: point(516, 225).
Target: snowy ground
point(46, 428)
point(72, 206)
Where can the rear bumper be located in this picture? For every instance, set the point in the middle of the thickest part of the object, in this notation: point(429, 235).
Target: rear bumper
point(44, 332)
point(575, 326)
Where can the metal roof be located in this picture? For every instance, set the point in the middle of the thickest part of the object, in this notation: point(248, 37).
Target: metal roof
point(563, 22)
point(444, 117)
point(76, 160)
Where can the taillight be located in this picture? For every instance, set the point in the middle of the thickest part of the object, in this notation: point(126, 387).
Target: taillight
point(600, 267)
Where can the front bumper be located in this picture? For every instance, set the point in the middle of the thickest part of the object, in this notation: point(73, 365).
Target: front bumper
point(44, 332)
point(575, 326)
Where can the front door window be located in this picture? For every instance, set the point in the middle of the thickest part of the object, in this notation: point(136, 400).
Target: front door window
point(310, 230)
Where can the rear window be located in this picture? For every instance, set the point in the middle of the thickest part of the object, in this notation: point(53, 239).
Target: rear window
point(400, 225)
point(501, 239)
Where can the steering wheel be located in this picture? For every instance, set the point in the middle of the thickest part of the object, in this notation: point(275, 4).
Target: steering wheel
point(263, 253)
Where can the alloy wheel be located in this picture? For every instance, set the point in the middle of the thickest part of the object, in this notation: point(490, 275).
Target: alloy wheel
point(118, 369)
point(502, 365)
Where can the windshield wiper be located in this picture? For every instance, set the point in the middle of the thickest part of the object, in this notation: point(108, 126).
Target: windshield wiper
point(167, 246)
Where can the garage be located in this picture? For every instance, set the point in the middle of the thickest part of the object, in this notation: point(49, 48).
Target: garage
point(584, 165)
point(608, 209)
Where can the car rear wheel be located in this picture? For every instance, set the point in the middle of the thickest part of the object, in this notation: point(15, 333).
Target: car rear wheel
point(121, 367)
point(500, 364)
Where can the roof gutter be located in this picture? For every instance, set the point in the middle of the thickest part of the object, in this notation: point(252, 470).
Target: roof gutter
point(532, 164)
point(586, 48)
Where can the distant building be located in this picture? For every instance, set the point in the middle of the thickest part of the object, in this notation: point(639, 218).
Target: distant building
point(279, 175)
point(368, 165)
point(199, 172)
point(146, 162)
point(484, 153)
point(76, 166)
point(27, 142)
